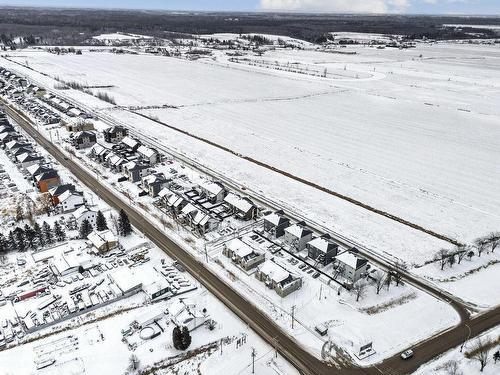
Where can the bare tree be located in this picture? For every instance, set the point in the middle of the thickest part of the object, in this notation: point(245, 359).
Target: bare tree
point(379, 278)
point(44, 203)
point(494, 240)
point(133, 363)
point(451, 260)
point(461, 252)
point(452, 368)
point(442, 257)
point(359, 289)
point(481, 351)
point(388, 280)
point(480, 244)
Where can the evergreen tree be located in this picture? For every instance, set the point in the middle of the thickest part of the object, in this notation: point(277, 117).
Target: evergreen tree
point(3, 244)
point(177, 338)
point(59, 232)
point(20, 241)
point(38, 234)
point(101, 223)
point(186, 338)
point(11, 244)
point(124, 224)
point(85, 229)
point(30, 236)
point(47, 233)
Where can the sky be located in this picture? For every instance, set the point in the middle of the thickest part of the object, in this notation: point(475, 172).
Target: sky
point(478, 7)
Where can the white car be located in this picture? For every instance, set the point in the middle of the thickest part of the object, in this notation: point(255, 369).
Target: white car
point(407, 354)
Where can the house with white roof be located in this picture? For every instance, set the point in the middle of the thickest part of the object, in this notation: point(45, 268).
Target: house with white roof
point(275, 224)
point(274, 276)
point(154, 183)
point(130, 143)
point(204, 223)
point(70, 200)
point(351, 266)
point(243, 207)
point(149, 154)
point(242, 254)
point(322, 249)
point(213, 191)
point(103, 241)
point(98, 152)
point(297, 236)
point(83, 213)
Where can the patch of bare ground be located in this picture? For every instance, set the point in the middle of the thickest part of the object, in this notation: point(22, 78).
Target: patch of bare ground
point(376, 309)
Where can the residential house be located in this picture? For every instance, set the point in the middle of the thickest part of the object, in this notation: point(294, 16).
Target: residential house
point(71, 200)
point(242, 207)
point(83, 213)
point(213, 191)
point(135, 171)
point(99, 152)
point(149, 155)
point(8, 137)
point(278, 278)
point(21, 150)
point(175, 203)
point(78, 125)
point(115, 162)
point(204, 223)
point(56, 191)
point(275, 224)
point(47, 179)
point(103, 241)
point(115, 134)
point(322, 249)
point(243, 255)
point(28, 159)
point(83, 139)
point(351, 266)
point(154, 183)
point(297, 236)
point(130, 143)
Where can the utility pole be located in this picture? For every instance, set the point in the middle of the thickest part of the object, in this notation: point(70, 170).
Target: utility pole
point(320, 291)
point(254, 354)
point(220, 346)
point(275, 341)
point(293, 314)
point(206, 253)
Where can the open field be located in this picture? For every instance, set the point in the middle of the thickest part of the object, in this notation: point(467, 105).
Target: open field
point(418, 138)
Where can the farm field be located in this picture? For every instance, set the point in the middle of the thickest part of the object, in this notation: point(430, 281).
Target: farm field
point(418, 137)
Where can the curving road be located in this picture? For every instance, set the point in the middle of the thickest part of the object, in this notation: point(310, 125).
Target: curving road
point(250, 314)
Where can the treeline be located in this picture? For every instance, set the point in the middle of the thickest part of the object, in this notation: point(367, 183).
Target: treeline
point(32, 237)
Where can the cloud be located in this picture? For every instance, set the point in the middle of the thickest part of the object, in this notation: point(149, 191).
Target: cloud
point(355, 6)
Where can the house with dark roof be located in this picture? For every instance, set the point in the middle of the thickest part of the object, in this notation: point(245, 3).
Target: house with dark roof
point(115, 134)
point(56, 191)
point(47, 179)
point(29, 158)
point(135, 171)
point(83, 139)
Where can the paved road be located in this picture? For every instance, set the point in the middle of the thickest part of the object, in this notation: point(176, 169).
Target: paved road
point(258, 321)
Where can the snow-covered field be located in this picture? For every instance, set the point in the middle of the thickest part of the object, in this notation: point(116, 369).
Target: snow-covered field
point(418, 139)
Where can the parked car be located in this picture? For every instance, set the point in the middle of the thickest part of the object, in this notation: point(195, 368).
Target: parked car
point(407, 354)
